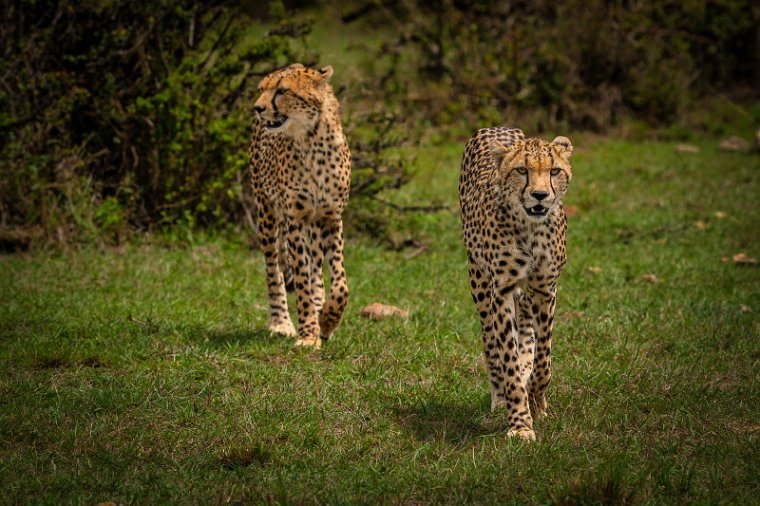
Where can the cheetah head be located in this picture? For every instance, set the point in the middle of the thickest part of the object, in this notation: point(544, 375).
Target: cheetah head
point(535, 173)
point(291, 98)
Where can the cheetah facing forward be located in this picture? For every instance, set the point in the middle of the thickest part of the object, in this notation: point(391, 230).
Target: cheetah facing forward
point(301, 171)
point(511, 191)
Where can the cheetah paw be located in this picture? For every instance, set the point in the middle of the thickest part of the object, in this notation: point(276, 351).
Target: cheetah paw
point(523, 433)
point(309, 342)
point(283, 327)
point(538, 408)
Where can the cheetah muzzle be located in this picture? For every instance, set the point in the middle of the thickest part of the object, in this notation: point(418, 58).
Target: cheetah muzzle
point(537, 211)
point(276, 123)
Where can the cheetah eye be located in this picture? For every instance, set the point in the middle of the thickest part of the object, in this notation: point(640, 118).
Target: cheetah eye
point(555, 172)
point(521, 170)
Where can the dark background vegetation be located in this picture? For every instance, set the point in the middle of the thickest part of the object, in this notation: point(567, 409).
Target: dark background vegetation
point(124, 117)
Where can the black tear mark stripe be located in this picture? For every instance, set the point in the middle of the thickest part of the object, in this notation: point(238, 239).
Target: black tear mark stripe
point(274, 97)
point(527, 175)
point(274, 103)
point(551, 168)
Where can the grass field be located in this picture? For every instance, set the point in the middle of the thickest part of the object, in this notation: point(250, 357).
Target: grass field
point(145, 375)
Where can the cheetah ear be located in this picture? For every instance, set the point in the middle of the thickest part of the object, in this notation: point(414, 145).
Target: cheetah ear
point(563, 145)
point(326, 72)
point(501, 151)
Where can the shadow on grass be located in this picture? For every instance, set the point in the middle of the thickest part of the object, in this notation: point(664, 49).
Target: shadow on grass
point(606, 485)
point(225, 337)
point(236, 457)
point(444, 421)
point(65, 359)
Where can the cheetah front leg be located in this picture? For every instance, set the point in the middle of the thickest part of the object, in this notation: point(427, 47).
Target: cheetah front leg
point(527, 339)
point(269, 230)
point(480, 288)
point(317, 276)
point(285, 258)
point(308, 325)
point(542, 308)
point(502, 355)
point(332, 245)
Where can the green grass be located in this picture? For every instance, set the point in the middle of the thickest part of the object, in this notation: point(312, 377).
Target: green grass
point(146, 375)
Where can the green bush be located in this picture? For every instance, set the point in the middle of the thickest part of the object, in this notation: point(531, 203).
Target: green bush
point(570, 64)
point(119, 116)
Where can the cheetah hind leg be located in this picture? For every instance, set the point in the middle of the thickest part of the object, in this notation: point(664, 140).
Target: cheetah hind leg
point(527, 353)
point(527, 350)
point(538, 406)
point(332, 249)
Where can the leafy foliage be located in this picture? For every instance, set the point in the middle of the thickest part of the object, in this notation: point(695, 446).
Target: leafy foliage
point(557, 64)
point(376, 168)
point(119, 116)
point(124, 114)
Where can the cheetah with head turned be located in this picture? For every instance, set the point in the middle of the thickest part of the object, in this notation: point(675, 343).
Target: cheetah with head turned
point(511, 191)
point(300, 167)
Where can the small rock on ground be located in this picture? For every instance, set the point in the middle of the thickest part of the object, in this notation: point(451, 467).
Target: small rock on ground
point(734, 143)
point(687, 148)
point(379, 311)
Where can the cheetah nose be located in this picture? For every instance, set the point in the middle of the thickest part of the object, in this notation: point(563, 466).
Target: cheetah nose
point(259, 108)
point(539, 195)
